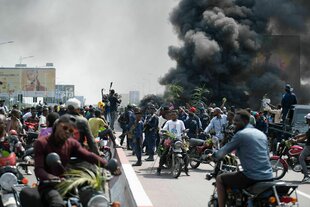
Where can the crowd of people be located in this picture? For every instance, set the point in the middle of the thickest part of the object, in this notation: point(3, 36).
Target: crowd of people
point(231, 129)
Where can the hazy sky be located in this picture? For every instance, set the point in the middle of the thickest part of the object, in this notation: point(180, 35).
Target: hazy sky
point(91, 43)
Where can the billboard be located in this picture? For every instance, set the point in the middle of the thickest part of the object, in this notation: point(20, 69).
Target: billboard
point(30, 82)
point(64, 92)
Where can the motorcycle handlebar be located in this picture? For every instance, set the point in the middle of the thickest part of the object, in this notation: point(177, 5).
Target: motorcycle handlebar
point(52, 181)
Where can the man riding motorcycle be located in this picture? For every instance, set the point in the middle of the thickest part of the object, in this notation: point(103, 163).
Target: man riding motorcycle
point(82, 125)
point(176, 127)
point(252, 149)
point(306, 151)
point(61, 142)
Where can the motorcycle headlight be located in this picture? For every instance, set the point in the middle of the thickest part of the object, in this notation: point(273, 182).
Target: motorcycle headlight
point(98, 201)
point(7, 180)
point(178, 144)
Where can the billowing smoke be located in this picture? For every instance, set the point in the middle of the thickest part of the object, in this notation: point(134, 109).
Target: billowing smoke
point(240, 49)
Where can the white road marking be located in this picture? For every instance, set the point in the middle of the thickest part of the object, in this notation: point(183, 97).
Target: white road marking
point(303, 194)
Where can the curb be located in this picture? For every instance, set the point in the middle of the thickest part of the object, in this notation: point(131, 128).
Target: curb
point(127, 188)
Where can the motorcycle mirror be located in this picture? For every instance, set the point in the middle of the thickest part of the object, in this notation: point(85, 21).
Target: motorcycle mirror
point(53, 160)
point(112, 165)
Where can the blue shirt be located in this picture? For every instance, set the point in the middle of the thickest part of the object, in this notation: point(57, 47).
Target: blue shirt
point(252, 150)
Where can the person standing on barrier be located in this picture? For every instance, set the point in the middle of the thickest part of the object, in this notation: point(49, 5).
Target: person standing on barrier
point(114, 102)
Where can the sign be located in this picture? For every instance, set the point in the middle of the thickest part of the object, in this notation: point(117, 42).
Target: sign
point(30, 82)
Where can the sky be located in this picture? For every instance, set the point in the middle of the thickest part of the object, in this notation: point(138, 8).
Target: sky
point(91, 43)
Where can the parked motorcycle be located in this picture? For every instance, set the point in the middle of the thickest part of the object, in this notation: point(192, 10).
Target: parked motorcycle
point(269, 193)
point(171, 147)
point(198, 150)
point(287, 155)
point(11, 180)
point(104, 148)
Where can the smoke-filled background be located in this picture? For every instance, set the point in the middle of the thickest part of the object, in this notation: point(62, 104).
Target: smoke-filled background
point(241, 49)
point(91, 43)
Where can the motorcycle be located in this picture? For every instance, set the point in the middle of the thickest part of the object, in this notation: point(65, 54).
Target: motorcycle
point(268, 193)
point(11, 180)
point(171, 147)
point(78, 186)
point(198, 150)
point(104, 148)
point(31, 133)
point(291, 155)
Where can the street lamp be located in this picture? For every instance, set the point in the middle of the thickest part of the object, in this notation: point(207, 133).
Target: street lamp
point(22, 58)
point(3, 43)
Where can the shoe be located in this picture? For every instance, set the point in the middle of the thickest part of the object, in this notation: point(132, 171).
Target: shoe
point(137, 163)
point(149, 159)
point(186, 172)
point(158, 172)
point(306, 179)
point(118, 146)
point(28, 172)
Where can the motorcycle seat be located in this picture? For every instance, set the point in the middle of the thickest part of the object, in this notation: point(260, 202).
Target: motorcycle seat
point(260, 187)
point(196, 142)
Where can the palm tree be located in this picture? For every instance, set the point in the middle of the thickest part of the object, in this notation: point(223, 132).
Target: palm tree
point(175, 91)
point(199, 94)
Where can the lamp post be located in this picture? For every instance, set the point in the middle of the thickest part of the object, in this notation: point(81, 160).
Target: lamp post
point(22, 58)
point(8, 42)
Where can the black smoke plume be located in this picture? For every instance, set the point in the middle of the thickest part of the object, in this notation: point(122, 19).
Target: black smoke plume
point(232, 47)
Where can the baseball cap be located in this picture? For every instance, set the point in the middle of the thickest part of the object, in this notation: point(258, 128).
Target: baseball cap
point(73, 102)
point(307, 116)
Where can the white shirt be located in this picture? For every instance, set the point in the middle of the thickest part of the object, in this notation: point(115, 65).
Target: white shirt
point(161, 121)
point(42, 121)
point(218, 125)
point(26, 116)
point(175, 127)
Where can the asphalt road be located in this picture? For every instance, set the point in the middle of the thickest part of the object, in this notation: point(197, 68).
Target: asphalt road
point(193, 190)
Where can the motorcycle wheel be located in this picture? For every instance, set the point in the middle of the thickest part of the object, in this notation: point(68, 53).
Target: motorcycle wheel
point(278, 169)
point(177, 168)
point(213, 203)
point(194, 164)
point(107, 154)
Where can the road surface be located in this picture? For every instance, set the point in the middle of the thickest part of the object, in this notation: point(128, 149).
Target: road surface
point(193, 190)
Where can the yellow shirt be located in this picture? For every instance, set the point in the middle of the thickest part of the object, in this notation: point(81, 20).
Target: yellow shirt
point(95, 124)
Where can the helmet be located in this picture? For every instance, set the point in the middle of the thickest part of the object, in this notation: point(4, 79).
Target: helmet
point(307, 116)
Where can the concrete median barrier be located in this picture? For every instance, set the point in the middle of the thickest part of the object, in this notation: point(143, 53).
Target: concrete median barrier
point(127, 188)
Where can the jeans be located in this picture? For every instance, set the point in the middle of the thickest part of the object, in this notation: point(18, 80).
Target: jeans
point(113, 115)
point(302, 159)
point(107, 133)
point(150, 138)
point(52, 198)
point(137, 147)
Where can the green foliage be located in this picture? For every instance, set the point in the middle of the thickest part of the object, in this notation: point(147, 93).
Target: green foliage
point(77, 177)
point(200, 94)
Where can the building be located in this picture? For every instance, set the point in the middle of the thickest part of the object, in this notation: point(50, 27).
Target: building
point(134, 97)
point(63, 93)
point(21, 81)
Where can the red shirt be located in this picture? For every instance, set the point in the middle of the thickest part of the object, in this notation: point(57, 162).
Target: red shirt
point(71, 148)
